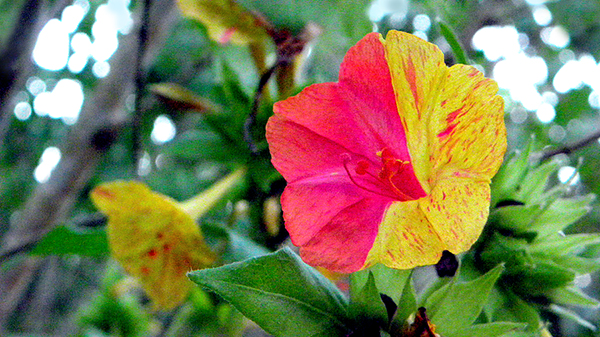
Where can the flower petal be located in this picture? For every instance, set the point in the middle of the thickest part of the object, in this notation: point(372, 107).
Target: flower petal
point(343, 244)
point(467, 132)
point(406, 238)
point(349, 112)
point(453, 117)
point(310, 205)
point(417, 69)
point(457, 209)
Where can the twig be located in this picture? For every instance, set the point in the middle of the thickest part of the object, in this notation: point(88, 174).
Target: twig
point(140, 81)
point(572, 147)
point(251, 120)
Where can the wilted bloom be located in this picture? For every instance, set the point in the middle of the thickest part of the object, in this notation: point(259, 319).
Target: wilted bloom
point(391, 164)
point(155, 238)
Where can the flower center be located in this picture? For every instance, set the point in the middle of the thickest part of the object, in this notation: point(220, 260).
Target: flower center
point(385, 180)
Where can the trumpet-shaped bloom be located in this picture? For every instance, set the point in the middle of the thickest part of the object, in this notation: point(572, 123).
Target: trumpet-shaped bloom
point(155, 238)
point(392, 163)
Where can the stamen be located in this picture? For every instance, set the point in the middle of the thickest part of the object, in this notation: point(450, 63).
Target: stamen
point(346, 159)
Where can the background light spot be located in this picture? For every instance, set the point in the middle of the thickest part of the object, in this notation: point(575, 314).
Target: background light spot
point(164, 130)
point(50, 158)
point(568, 172)
point(51, 49)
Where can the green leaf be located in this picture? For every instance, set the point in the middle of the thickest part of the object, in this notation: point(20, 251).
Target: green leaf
point(65, 241)
point(488, 329)
point(561, 213)
point(462, 303)
point(388, 281)
point(533, 185)
point(577, 264)
point(533, 280)
point(232, 246)
point(566, 313)
point(510, 175)
point(515, 309)
point(457, 49)
point(280, 293)
point(515, 218)
point(561, 244)
point(407, 305)
point(366, 304)
point(572, 296)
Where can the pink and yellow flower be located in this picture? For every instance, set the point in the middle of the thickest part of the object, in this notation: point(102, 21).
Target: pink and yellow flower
point(392, 163)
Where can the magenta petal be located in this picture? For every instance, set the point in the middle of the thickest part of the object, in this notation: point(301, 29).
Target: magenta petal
point(360, 111)
point(343, 244)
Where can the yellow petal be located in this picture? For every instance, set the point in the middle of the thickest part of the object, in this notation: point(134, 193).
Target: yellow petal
point(225, 20)
point(406, 238)
point(452, 116)
point(153, 239)
point(457, 210)
point(199, 205)
point(418, 71)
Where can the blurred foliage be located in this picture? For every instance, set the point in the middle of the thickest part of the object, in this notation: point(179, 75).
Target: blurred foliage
point(208, 90)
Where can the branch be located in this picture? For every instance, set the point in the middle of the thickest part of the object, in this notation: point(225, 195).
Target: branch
point(102, 117)
point(572, 147)
point(15, 60)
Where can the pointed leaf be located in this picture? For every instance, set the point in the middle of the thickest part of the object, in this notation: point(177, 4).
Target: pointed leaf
point(561, 213)
point(280, 293)
point(566, 313)
point(572, 296)
point(407, 305)
point(463, 302)
point(533, 185)
point(561, 244)
point(510, 175)
point(515, 218)
point(389, 281)
point(488, 329)
point(457, 49)
point(366, 303)
point(579, 265)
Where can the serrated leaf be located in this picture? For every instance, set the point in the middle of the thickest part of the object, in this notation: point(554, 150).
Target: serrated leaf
point(488, 329)
point(280, 293)
point(560, 214)
point(462, 303)
point(389, 281)
point(563, 244)
point(65, 241)
point(366, 304)
point(572, 296)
